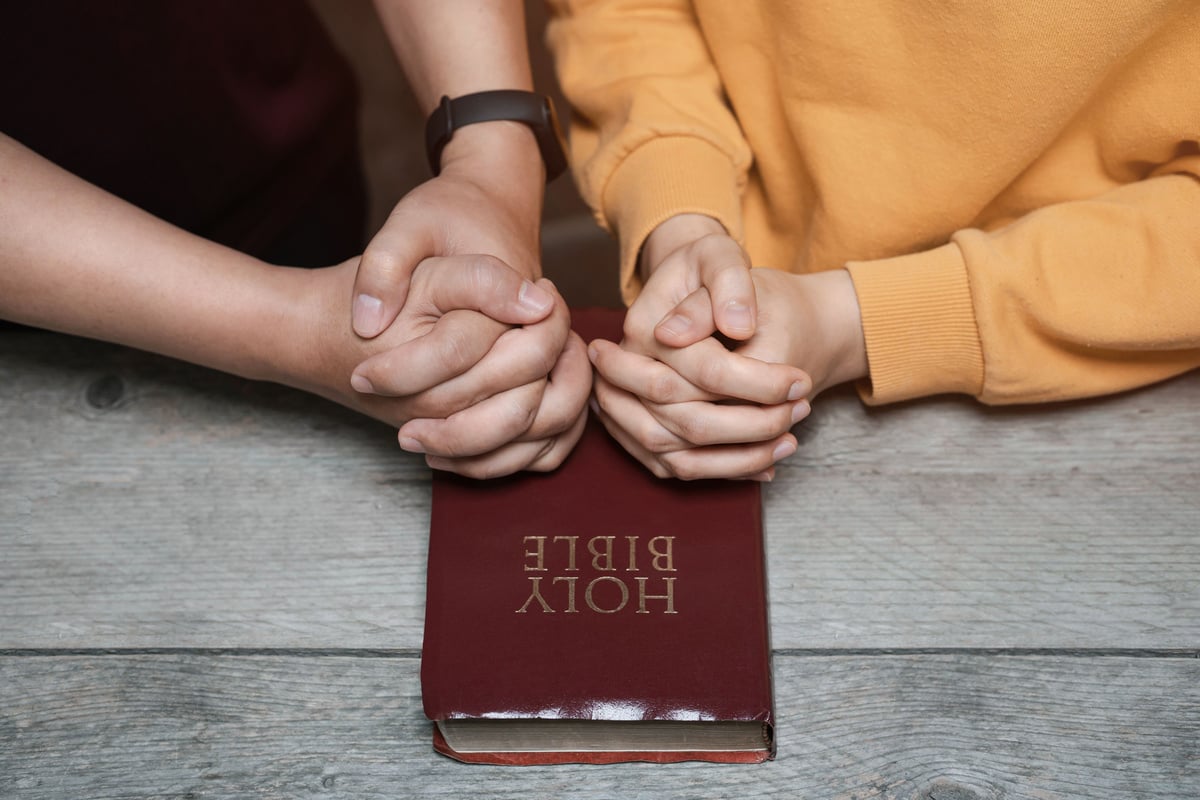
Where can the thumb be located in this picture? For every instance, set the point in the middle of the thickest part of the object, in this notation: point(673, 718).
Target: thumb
point(725, 272)
point(725, 301)
point(688, 322)
point(486, 284)
point(384, 272)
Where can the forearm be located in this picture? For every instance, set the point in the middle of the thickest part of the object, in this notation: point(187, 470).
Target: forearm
point(457, 47)
point(1075, 299)
point(653, 135)
point(76, 259)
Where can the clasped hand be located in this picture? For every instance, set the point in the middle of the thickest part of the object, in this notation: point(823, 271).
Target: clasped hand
point(479, 369)
point(475, 357)
point(707, 381)
point(692, 407)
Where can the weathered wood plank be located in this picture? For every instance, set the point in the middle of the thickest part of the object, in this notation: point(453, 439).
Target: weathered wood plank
point(984, 561)
point(960, 726)
point(196, 508)
point(147, 503)
point(948, 524)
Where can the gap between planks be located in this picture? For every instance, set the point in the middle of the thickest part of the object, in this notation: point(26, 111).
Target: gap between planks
point(791, 652)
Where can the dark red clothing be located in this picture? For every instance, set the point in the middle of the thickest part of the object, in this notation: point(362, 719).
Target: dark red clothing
point(235, 120)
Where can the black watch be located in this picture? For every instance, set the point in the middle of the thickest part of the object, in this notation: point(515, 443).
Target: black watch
point(535, 110)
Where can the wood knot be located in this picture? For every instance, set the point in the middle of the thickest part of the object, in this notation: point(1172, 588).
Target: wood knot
point(944, 789)
point(105, 392)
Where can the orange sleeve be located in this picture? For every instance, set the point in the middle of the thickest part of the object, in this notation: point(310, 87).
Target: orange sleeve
point(1072, 300)
point(650, 133)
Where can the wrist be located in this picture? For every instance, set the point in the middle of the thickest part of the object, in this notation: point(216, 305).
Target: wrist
point(501, 160)
point(299, 348)
point(500, 152)
point(842, 324)
point(530, 109)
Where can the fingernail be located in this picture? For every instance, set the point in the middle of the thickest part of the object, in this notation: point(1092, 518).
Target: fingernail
point(593, 353)
point(411, 445)
point(367, 315)
point(764, 477)
point(534, 298)
point(784, 449)
point(594, 405)
point(676, 325)
point(800, 411)
point(362, 385)
point(737, 316)
point(798, 390)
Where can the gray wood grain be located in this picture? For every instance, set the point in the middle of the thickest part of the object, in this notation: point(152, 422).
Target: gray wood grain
point(147, 503)
point(957, 726)
point(197, 509)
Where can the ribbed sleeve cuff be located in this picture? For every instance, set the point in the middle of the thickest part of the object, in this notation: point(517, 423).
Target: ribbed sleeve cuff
point(661, 178)
point(919, 325)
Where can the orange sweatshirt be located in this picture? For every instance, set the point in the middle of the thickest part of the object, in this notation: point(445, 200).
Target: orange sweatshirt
point(1012, 186)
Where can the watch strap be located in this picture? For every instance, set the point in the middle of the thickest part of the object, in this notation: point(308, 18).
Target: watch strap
point(530, 108)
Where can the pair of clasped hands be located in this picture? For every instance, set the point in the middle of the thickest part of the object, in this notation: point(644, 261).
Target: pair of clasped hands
point(477, 364)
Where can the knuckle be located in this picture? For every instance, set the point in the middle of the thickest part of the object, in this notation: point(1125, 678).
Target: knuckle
point(681, 466)
point(457, 348)
point(768, 423)
point(547, 458)
point(659, 469)
point(545, 353)
point(730, 272)
point(711, 373)
point(518, 415)
point(383, 264)
point(693, 429)
point(479, 470)
point(721, 245)
point(488, 262)
point(656, 438)
point(487, 272)
point(636, 329)
point(491, 469)
point(552, 419)
point(662, 388)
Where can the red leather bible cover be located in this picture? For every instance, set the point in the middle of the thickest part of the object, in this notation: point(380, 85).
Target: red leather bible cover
point(597, 592)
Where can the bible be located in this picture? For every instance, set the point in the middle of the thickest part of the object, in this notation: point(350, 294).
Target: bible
point(597, 614)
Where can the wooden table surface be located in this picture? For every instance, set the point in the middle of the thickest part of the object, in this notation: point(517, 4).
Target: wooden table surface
point(213, 588)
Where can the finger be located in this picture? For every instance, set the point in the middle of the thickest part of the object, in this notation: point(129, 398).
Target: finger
point(725, 272)
point(712, 368)
point(704, 424)
point(642, 376)
point(536, 456)
point(747, 461)
point(566, 394)
point(484, 283)
point(627, 412)
point(518, 357)
point(631, 446)
point(455, 343)
point(479, 429)
point(564, 443)
point(724, 299)
point(728, 461)
point(563, 400)
point(690, 321)
point(381, 282)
